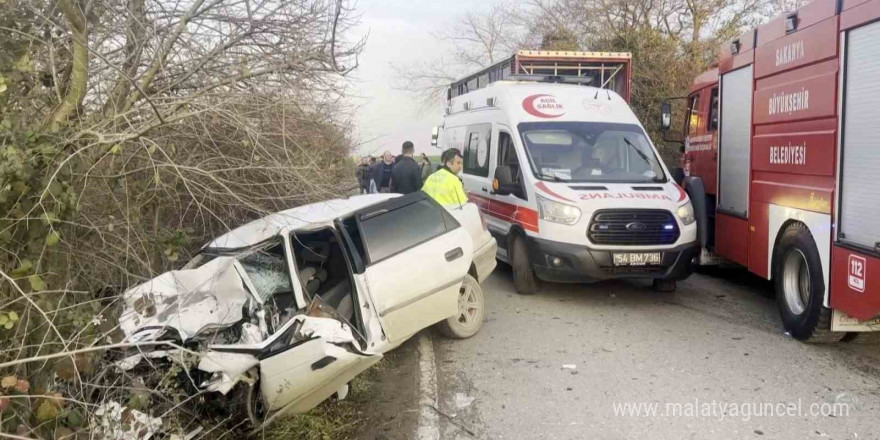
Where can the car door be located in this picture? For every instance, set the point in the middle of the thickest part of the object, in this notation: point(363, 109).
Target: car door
point(308, 372)
point(417, 255)
point(307, 360)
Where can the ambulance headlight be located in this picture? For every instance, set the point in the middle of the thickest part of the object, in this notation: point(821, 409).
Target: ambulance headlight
point(558, 212)
point(686, 213)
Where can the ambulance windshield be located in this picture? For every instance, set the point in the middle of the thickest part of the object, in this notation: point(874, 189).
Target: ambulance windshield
point(590, 152)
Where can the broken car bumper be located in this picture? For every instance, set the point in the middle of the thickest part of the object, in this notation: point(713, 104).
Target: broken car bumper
point(581, 264)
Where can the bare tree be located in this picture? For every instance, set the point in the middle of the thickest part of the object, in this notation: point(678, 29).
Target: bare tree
point(477, 39)
point(131, 132)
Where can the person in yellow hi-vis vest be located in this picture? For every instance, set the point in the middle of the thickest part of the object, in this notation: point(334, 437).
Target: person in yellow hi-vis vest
point(444, 185)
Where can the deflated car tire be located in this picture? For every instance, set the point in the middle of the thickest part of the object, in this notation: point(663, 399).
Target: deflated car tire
point(471, 308)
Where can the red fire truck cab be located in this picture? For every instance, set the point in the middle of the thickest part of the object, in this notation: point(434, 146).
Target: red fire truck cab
point(782, 161)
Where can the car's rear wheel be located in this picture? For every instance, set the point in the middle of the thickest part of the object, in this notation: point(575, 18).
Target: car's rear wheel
point(524, 279)
point(471, 310)
point(800, 287)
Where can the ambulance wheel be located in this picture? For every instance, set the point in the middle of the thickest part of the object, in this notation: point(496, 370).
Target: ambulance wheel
point(800, 287)
point(471, 309)
point(524, 279)
point(666, 286)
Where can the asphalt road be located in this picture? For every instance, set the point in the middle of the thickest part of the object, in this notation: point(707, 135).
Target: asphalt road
point(711, 357)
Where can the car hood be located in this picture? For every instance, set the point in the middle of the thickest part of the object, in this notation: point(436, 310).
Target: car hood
point(191, 301)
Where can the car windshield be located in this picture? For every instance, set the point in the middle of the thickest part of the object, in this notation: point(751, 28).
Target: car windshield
point(265, 265)
point(590, 152)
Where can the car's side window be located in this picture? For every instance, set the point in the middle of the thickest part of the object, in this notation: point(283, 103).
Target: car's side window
point(389, 233)
point(354, 244)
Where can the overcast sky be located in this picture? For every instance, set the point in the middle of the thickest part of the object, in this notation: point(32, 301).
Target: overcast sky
point(399, 33)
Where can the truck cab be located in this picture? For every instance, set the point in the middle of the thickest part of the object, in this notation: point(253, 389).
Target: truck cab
point(700, 156)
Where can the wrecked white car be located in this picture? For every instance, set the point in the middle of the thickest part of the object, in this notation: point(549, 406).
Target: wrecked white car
point(291, 307)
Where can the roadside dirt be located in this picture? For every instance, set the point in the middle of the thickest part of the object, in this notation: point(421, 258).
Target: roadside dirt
point(392, 411)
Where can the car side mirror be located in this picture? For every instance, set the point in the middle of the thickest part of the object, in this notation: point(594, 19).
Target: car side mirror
point(503, 183)
point(435, 135)
point(665, 116)
point(677, 175)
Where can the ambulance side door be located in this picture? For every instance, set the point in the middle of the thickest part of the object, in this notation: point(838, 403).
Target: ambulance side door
point(475, 174)
point(502, 209)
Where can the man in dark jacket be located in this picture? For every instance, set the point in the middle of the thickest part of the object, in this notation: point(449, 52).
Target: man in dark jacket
point(406, 176)
point(381, 172)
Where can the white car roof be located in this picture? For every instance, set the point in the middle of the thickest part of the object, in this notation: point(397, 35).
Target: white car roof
point(302, 217)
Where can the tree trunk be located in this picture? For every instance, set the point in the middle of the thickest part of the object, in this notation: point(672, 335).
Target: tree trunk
point(134, 44)
point(79, 76)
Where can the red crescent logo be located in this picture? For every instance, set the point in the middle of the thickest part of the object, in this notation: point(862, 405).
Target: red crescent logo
point(530, 108)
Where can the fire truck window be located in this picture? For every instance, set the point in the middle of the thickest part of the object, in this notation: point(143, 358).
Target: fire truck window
point(713, 110)
point(694, 116)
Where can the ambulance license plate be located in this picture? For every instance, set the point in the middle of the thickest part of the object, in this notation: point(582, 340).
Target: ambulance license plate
point(637, 259)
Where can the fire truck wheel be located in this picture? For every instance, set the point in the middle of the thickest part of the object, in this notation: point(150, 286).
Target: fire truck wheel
point(800, 287)
point(524, 279)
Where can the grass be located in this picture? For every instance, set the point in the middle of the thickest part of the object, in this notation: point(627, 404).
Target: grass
point(331, 420)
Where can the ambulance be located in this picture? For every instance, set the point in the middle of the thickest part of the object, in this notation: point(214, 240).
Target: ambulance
point(571, 186)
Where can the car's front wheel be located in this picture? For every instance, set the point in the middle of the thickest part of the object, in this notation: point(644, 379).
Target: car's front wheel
point(471, 309)
point(256, 408)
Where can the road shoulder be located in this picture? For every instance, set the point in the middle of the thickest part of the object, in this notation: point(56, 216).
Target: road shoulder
point(392, 412)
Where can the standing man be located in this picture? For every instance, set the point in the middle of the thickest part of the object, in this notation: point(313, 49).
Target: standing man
point(426, 167)
point(406, 176)
point(444, 185)
point(381, 172)
point(363, 175)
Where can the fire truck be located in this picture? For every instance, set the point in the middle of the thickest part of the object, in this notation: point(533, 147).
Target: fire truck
point(782, 161)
